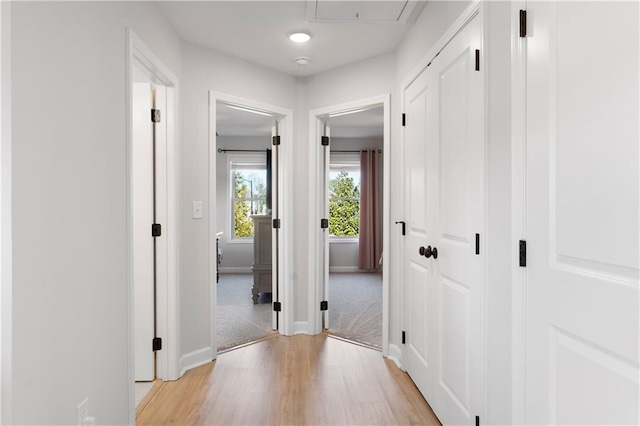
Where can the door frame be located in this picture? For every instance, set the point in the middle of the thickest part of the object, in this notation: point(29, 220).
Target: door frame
point(285, 201)
point(137, 52)
point(316, 120)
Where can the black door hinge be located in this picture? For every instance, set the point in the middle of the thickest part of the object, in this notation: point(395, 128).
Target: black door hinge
point(277, 306)
point(324, 305)
point(404, 226)
point(404, 337)
point(477, 420)
point(523, 253)
point(276, 223)
point(156, 230)
point(477, 243)
point(155, 115)
point(324, 223)
point(157, 343)
point(477, 60)
point(404, 119)
point(523, 23)
point(276, 140)
point(325, 141)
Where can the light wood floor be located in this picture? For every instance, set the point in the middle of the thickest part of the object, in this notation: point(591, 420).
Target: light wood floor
point(300, 380)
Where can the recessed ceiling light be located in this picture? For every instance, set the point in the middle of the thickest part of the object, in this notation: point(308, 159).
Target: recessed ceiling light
point(302, 60)
point(300, 37)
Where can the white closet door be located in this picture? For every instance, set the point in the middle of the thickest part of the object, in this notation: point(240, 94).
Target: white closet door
point(581, 285)
point(445, 189)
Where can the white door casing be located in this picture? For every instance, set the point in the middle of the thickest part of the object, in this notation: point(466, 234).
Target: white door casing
point(581, 213)
point(444, 146)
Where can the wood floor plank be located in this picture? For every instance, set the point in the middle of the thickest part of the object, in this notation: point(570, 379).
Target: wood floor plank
point(300, 380)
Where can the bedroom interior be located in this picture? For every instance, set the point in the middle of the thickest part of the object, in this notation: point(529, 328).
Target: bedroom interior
point(243, 191)
point(355, 226)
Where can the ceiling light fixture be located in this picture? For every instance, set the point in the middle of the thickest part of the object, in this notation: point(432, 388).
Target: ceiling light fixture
point(302, 60)
point(300, 37)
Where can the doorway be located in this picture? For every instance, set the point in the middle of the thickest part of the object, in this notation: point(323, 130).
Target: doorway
point(240, 189)
point(244, 233)
point(354, 191)
point(152, 93)
point(342, 137)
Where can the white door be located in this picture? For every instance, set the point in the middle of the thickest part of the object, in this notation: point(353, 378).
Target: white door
point(275, 236)
point(445, 193)
point(143, 257)
point(581, 226)
point(326, 158)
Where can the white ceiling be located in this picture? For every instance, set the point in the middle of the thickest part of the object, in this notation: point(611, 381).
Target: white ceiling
point(257, 31)
point(362, 124)
point(234, 122)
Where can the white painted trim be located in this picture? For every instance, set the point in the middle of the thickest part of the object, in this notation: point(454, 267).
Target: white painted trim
point(285, 208)
point(167, 307)
point(345, 269)
point(195, 359)
point(315, 235)
point(301, 327)
point(235, 270)
point(518, 164)
point(395, 355)
point(470, 12)
point(6, 274)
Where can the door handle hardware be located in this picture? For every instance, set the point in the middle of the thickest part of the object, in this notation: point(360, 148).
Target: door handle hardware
point(428, 252)
point(421, 250)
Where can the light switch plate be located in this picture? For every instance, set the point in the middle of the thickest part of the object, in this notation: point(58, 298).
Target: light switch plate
point(196, 210)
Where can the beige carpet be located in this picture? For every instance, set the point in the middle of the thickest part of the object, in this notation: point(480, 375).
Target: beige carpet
point(238, 320)
point(355, 307)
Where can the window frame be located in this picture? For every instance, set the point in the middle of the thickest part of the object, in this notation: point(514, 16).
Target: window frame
point(244, 159)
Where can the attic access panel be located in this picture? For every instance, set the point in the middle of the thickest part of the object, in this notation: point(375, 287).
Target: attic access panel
point(359, 11)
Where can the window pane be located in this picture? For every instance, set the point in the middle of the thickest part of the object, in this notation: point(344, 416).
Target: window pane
point(242, 223)
point(344, 218)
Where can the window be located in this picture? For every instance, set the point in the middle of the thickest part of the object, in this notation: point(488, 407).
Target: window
point(248, 193)
point(344, 196)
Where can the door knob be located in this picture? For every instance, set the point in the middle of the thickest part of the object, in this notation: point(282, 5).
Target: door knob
point(421, 251)
point(434, 252)
point(428, 252)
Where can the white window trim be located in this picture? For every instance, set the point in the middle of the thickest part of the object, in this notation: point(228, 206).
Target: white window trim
point(239, 157)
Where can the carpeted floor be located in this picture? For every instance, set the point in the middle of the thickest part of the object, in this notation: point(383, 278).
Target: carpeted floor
point(355, 307)
point(238, 319)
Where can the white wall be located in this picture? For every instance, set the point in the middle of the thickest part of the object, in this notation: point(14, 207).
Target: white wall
point(205, 70)
point(343, 255)
point(237, 256)
point(69, 205)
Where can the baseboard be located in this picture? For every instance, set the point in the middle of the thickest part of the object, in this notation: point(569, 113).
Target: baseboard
point(395, 355)
point(195, 359)
point(343, 269)
point(301, 327)
point(235, 269)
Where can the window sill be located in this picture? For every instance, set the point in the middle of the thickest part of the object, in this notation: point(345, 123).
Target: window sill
point(344, 240)
point(240, 240)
